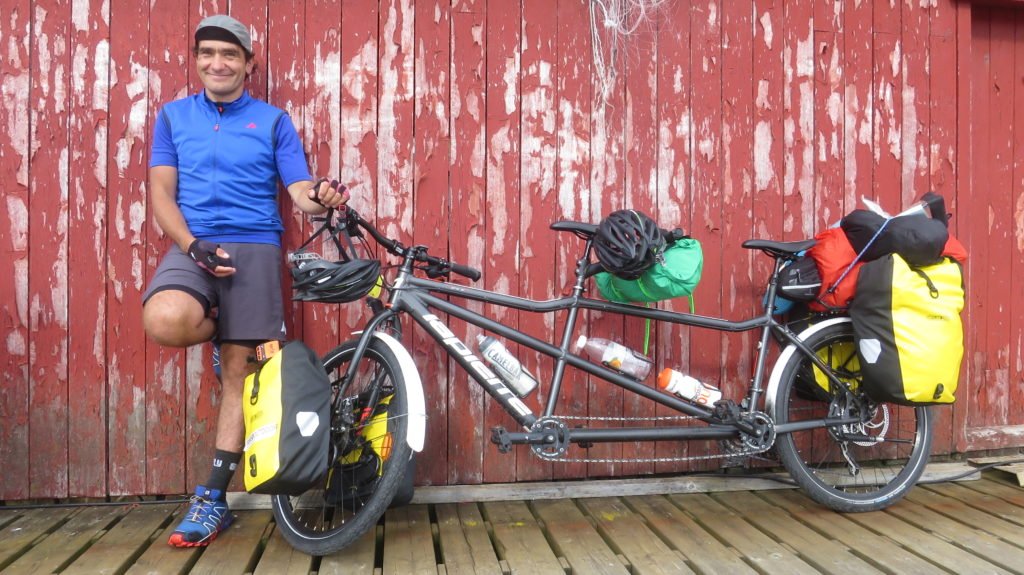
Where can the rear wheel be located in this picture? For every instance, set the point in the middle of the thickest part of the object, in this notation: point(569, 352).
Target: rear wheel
point(860, 466)
point(369, 450)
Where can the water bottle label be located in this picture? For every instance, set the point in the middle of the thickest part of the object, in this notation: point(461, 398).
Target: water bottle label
point(611, 358)
point(709, 396)
point(503, 361)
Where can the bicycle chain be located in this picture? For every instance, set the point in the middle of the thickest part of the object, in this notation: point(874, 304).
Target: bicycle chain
point(598, 418)
point(741, 453)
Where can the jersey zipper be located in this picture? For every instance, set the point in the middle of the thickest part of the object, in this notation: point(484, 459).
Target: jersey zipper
point(216, 167)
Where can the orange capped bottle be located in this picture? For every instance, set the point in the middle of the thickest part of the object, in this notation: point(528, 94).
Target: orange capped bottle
point(688, 388)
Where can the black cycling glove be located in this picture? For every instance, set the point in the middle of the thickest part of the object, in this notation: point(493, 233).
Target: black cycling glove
point(334, 184)
point(205, 255)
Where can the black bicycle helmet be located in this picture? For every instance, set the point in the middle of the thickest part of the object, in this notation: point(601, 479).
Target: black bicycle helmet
point(334, 282)
point(628, 242)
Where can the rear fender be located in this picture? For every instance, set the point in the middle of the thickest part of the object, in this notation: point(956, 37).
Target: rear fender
point(788, 355)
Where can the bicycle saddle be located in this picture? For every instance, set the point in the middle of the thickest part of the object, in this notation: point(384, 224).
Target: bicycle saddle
point(787, 250)
point(584, 230)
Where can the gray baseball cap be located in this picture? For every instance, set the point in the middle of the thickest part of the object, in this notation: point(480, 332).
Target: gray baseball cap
point(226, 29)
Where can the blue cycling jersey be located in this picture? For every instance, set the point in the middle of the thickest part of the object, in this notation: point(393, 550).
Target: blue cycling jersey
point(229, 158)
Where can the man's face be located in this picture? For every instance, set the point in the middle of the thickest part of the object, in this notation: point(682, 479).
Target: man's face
point(222, 67)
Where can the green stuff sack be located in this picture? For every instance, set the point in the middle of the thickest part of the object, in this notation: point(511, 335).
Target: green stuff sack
point(909, 334)
point(285, 405)
point(676, 277)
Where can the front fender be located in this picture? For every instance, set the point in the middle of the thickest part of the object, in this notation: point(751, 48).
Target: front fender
point(413, 390)
point(787, 355)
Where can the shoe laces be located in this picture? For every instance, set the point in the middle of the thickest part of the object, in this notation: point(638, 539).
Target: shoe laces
point(199, 506)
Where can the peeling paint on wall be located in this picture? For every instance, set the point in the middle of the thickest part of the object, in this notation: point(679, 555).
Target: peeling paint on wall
point(835, 103)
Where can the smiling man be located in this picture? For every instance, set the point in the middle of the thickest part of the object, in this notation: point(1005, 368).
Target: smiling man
point(216, 162)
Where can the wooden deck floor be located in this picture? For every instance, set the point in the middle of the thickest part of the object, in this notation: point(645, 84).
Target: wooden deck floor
point(965, 527)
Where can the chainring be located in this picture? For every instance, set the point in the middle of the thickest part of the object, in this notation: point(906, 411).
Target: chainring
point(556, 438)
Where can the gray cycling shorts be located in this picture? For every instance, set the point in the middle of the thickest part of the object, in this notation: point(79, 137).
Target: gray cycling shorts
point(249, 302)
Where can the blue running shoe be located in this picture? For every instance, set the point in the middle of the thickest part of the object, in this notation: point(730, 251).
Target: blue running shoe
point(207, 517)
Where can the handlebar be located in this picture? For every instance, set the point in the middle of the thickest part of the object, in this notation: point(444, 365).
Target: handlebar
point(436, 267)
point(464, 271)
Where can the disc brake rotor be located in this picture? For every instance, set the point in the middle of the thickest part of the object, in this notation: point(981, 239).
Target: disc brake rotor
point(875, 427)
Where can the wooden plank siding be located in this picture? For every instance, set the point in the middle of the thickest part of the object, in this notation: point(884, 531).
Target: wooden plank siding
point(537, 164)
point(15, 79)
point(470, 125)
point(990, 221)
point(675, 190)
point(503, 39)
point(466, 234)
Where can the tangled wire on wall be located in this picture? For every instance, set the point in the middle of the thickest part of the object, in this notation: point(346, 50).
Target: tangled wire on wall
point(611, 22)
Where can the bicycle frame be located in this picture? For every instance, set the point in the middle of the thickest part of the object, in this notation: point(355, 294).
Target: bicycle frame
point(844, 428)
point(415, 296)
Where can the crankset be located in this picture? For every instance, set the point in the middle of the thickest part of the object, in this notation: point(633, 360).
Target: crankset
point(763, 436)
point(548, 438)
point(556, 438)
point(756, 428)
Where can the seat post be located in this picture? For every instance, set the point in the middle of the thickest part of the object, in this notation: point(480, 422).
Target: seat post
point(583, 267)
point(773, 285)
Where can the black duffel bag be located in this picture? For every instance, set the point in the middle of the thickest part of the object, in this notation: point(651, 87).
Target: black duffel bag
point(918, 239)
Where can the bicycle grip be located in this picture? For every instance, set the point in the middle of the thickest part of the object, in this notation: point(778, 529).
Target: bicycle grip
point(465, 271)
point(316, 187)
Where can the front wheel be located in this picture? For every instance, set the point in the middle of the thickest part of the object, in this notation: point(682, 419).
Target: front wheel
point(860, 466)
point(370, 455)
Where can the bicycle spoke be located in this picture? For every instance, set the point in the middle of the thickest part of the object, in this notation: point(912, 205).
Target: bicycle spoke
point(368, 460)
point(851, 467)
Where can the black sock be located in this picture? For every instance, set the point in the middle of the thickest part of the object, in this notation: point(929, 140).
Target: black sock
point(224, 464)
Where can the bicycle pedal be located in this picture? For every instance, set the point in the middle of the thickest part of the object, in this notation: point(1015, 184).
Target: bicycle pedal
point(499, 437)
point(584, 444)
point(726, 411)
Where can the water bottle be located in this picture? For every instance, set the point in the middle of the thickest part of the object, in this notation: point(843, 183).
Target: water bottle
point(688, 387)
point(506, 366)
point(615, 356)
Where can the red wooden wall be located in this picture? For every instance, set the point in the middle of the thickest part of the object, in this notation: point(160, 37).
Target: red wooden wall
point(470, 125)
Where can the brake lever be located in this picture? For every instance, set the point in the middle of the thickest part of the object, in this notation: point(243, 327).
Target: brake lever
point(438, 270)
point(352, 227)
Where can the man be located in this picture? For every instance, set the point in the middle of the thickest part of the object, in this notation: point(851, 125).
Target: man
point(216, 160)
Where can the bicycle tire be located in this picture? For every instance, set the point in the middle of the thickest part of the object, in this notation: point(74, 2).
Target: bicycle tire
point(821, 460)
point(349, 501)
